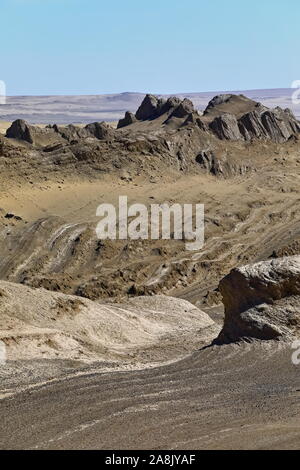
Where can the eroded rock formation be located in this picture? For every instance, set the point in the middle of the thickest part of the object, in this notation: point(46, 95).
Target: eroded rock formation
point(20, 130)
point(262, 301)
point(127, 120)
point(235, 117)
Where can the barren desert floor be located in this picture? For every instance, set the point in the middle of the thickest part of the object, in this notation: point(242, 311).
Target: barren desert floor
point(225, 397)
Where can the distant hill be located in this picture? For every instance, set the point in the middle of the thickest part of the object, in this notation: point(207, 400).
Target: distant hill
point(88, 108)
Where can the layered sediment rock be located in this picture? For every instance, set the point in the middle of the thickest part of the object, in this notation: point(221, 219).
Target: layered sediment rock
point(236, 117)
point(149, 108)
point(226, 127)
point(184, 108)
point(251, 126)
point(127, 120)
point(153, 107)
point(100, 130)
point(220, 166)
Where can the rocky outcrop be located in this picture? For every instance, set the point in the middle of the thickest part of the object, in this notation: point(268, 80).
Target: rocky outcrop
point(209, 161)
point(236, 117)
point(149, 108)
point(229, 103)
point(251, 126)
point(280, 125)
point(20, 130)
point(153, 107)
point(228, 117)
point(226, 127)
point(216, 101)
point(35, 135)
point(169, 104)
point(184, 108)
point(277, 125)
point(53, 134)
point(100, 130)
point(194, 119)
point(220, 165)
point(262, 301)
point(127, 120)
point(70, 132)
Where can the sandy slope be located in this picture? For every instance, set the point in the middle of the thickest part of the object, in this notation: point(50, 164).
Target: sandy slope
point(229, 397)
point(4, 125)
point(247, 218)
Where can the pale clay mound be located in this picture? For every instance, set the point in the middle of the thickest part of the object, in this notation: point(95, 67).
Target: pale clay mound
point(35, 323)
point(262, 301)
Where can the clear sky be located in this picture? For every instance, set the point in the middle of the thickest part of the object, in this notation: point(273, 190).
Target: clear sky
point(159, 46)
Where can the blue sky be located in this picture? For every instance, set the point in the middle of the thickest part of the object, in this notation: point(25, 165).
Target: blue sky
point(159, 46)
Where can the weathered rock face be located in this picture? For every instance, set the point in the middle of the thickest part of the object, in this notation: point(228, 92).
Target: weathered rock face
point(210, 162)
point(194, 119)
point(20, 130)
point(100, 130)
point(220, 166)
point(226, 127)
point(127, 120)
point(251, 126)
point(70, 132)
point(170, 104)
point(35, 135)
point(184, 108)
point(229, 103)
point(50, 135)
point(280, 124)
point(262, 301)
point(276, 125)
point(236, 117)
point(216, 101)
point(152, 108)
point(149, 108)
point(228, 117)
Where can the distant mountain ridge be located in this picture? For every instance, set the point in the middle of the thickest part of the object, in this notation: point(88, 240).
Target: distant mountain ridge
point(111, 107)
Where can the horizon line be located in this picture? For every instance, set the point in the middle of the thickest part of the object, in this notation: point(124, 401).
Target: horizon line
point(153, 93)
